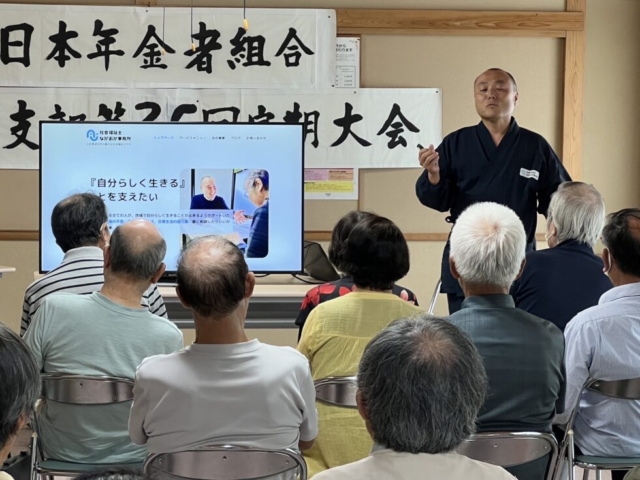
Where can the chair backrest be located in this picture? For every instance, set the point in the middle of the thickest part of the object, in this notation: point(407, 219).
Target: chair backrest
point(339, 391)
point(225, 462)
point(508, 449)
point(86, 389)
point(628, 389)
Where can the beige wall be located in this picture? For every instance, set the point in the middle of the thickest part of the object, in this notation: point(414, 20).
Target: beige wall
point(612, 118)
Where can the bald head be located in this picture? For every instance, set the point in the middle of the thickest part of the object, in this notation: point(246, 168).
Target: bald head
point(212, 275)
point(136, 250)
point(208, 187)
point(495, 74)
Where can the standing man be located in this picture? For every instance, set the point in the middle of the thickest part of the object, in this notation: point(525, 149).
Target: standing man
point(494, 161)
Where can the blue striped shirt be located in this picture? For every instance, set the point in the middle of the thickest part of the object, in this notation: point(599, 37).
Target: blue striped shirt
point(603, 342)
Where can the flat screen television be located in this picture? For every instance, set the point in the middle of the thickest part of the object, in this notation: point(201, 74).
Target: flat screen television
point(189, 179)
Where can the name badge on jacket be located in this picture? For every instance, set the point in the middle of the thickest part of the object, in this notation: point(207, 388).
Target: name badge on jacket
point(529, 173)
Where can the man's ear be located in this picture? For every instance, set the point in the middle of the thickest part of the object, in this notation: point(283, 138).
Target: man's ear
point(362, 406)
point(607, 259)
point(181, 299)
point(515, 99)
point(106, 254)
point(454, 270)
point(249, 285)
point(522, 265)
point(159, 273)
point(259, 186)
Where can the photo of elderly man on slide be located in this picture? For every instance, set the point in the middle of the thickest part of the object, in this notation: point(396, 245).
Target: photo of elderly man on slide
point(208, 199)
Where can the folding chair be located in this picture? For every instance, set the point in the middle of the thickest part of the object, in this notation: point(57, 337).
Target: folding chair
point(338, 391)
point(225, 462)
point(509, 449)
point(84, 391)
point(628, 389)
point(434, 297)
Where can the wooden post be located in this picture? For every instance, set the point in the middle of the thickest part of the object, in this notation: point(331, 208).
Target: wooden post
point(573, 95)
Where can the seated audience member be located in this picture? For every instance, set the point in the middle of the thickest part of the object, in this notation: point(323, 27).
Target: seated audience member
point(336, 333)
point(602, 343)
point(567, 278)
point(105, 333)
point(79, 225)
point(19, 389)
point(208, 200)
point(420, 385)
point(338, 288)
point(523, 354)
point(224, 388)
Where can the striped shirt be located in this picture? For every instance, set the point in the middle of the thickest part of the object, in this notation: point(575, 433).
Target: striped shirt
point(80, 272)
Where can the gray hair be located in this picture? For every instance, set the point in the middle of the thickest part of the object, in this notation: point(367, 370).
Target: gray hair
point(578, 213)
point(488, 244)
point(133, 258)
point(422, 383)
point(250, 181)
point(211, 276)
point(20, 387)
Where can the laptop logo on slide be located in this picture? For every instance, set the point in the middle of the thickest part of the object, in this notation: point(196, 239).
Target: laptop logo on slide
point(92, 135)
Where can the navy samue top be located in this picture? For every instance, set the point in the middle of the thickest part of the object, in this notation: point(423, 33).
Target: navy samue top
point(198, 202)
point(521, 173)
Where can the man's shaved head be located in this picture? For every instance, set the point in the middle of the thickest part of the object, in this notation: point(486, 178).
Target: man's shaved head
point(507, 74)
point(137, 250)
point(211, 276)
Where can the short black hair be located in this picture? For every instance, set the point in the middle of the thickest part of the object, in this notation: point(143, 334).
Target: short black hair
point(212, 285)
point(19, 383)
point(76, 221)
point(340, 234)
point(496, 69)
point(422, 382)
point(376, 254)
point(621, 242)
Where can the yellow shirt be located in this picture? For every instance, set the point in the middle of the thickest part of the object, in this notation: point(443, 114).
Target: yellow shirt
point(333, 339)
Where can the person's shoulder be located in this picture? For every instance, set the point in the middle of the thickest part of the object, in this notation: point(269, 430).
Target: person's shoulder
point(531, 135)
point(163, 325)
point(290, 355)
point(484, 471)
point(591, 316)
point(461, 133)
point(66, 300)
point(541, 326)
point(158, 365)
point(361, 469)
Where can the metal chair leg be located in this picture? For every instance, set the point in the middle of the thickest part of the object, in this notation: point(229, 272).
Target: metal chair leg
point(598, 474)
point(570, 455)
point(585, 475)
point(434, 298)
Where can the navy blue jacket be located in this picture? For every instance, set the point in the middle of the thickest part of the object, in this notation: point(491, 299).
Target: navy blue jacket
point(560, 282)
point(198, 202)
point(259, 234)
point(521, 173)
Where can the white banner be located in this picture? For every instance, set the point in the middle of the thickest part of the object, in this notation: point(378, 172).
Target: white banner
point(367, 128)
point(68, 46)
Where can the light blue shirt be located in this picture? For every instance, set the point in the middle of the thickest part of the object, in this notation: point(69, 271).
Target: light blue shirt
point(91, 335)
point(603, 343)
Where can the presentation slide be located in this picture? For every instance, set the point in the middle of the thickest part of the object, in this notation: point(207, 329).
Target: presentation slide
point(240, 181)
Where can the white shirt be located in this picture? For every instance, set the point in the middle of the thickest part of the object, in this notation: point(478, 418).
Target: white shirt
point(247, 394)
point(387, 464)
point(603, 342)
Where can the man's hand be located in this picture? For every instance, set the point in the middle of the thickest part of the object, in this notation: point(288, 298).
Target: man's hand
point(429, 159)
point(239, 217)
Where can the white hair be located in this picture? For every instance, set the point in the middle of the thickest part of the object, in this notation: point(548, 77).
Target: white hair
point(578, 213)
point(488, 245)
